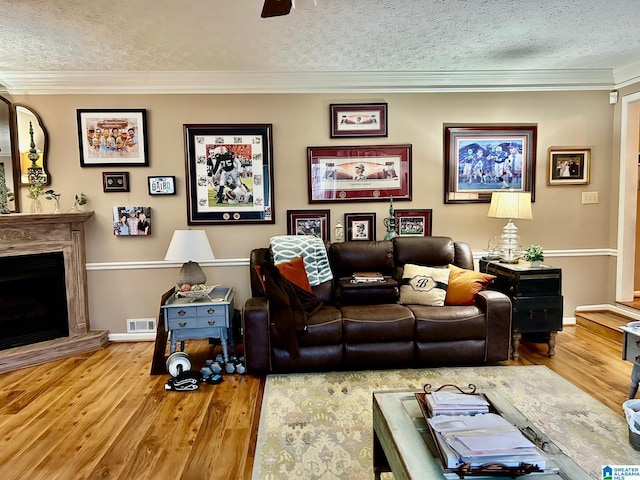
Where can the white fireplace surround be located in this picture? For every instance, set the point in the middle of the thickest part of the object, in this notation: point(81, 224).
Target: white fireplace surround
point(28, 234)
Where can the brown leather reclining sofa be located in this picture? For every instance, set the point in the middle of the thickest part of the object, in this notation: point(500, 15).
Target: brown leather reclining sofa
point(362, 326)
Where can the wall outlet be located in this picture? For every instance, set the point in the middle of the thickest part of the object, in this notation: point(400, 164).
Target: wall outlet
point(141, 325)
point(589, 197)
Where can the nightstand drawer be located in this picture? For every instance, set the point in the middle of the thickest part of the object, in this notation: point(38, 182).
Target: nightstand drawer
point(537, 314)
point(182, 323)
point(180, 312)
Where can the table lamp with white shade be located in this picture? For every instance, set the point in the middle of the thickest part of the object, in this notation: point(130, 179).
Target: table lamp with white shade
point(190, 246)
point(512, 205)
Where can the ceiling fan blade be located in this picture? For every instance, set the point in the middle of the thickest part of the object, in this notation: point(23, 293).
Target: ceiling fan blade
point(275, 8)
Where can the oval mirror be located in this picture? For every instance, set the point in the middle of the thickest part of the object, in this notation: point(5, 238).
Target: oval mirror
point(27, 119)
point(7, 157)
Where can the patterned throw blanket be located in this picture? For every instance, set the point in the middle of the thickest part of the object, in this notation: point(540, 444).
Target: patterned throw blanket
point(312, 250)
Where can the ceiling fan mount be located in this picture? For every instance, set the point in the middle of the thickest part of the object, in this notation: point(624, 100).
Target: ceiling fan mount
point(276, 8)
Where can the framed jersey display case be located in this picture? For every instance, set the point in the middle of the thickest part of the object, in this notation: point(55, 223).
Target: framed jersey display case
point(229, 174)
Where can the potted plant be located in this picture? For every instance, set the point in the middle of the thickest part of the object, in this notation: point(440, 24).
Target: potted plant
point(55, 196)
point(80, 200)
point(534, 254)
point(33, 192)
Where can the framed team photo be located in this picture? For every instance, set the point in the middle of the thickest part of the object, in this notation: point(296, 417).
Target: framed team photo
point(112, 137)
point(413, 223)
point(309, 222)
point(482, 159)
point(360, 226)
point(229, 174)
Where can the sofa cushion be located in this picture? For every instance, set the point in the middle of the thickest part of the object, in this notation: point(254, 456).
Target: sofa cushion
point(423, 285)
point(294, 271)
point(464, 285)
point(377, 323)
point(324, 327)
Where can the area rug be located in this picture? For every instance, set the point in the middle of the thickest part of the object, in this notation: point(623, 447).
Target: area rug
point(319, 426)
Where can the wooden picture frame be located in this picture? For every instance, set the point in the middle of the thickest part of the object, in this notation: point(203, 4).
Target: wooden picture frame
point(115, 182)
point(309, 222)
point(358, 120)
point(165, 185)
point(229, 174)
point(568, 166)
point(360, 226)
point(414, 222)
point(482, 159)
point(358, 174)
point(102, 140)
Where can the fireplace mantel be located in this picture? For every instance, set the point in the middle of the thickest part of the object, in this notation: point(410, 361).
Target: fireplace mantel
point(27, 234)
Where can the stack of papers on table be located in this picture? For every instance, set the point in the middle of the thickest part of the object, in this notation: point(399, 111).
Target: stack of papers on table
point(447, 403)
point(483, 439)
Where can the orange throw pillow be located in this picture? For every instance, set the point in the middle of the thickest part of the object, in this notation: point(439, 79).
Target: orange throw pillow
point(294, 271)
point(464, 285)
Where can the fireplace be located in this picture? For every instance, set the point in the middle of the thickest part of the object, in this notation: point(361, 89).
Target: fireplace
point(44, 312)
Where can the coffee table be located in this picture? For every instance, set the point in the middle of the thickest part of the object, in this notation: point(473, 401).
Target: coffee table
point(402, 442)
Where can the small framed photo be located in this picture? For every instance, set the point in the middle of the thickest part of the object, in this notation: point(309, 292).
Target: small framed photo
point(360, 226)
point(115, 182)
point(413, 223)
point(162, 185)
point(132, 221)
point(309, 222)
point(358, 120)
point(569, 166)
point(112, 137)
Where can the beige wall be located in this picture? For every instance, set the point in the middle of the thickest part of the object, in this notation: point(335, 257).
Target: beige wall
point(121, 288)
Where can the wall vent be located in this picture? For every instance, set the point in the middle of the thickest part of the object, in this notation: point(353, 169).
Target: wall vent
point(141, 325)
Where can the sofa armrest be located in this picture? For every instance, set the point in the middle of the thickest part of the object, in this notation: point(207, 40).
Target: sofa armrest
point(497, 308)
point(256, 327)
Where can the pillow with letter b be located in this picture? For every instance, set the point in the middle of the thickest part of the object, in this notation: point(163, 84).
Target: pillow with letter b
point(424, 285)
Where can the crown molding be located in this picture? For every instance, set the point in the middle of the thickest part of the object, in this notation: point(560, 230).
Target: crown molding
point(47, 83)
point(627, 75)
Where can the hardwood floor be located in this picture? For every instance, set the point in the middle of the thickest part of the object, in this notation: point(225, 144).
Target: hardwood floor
point(101, 415)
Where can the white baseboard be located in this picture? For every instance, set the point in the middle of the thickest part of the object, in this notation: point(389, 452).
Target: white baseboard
point(619, 309)
point(132, 337)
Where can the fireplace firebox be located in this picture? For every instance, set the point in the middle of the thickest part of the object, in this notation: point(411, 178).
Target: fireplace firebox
point(33, 299)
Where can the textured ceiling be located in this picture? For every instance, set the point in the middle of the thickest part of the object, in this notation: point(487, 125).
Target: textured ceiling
point(404, 36)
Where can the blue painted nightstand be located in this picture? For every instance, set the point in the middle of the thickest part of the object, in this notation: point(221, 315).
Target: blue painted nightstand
point(197, 318)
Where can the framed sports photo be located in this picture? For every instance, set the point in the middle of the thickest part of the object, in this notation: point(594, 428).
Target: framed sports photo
point(112, 137)
point(162, 185)
point(360, 226)
point(486, 158)
point(358, 120)
point(229, 174)
point(359, 174)
point(115, 182)
point(309, 222)
point(413, 223)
